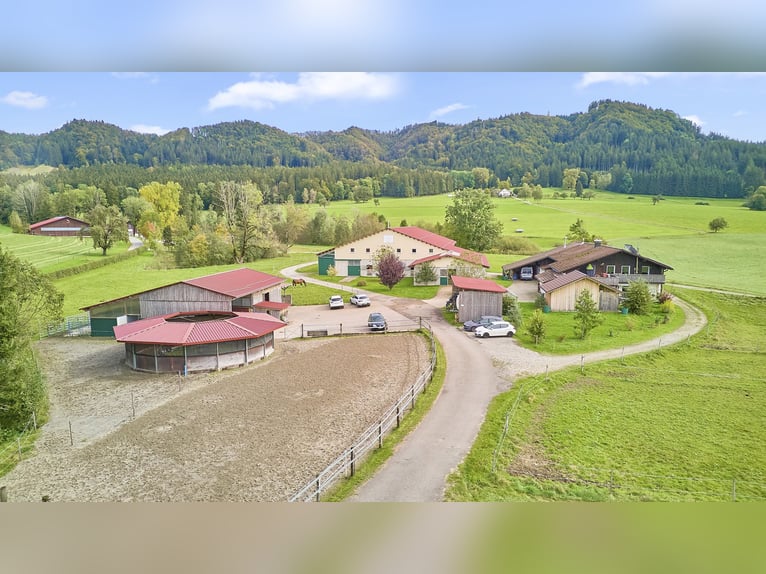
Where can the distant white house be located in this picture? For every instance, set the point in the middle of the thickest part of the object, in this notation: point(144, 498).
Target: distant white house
point(504, 193)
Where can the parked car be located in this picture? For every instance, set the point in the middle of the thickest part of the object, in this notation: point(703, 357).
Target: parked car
point(336, 302)
point(484, 320)
point(377, 322)
point(496, 329)
point(527, 273)
point(360, 300)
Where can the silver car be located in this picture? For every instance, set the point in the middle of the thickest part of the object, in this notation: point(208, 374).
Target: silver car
point(496, 329)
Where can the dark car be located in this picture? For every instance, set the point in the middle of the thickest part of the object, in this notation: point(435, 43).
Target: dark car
point(377, 322)
point(483, 321)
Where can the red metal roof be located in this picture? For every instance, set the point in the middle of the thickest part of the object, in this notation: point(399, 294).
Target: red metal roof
point(173, 330)
point(474, 284)
point(55, 219)
point(428, 237)
point(235, 283)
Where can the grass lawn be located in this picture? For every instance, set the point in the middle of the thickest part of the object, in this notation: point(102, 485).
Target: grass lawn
point(681, 423)
point(617, 330)
point(49, 254)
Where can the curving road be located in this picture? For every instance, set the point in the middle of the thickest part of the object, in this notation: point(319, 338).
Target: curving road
point(477, 370)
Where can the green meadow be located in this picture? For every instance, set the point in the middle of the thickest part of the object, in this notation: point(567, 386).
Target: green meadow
point(683, 423)
point(674, 230)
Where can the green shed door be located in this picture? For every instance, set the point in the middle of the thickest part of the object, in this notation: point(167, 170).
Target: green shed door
point(102, 326)
point(444, 280)
point(354, 270)
point(325, 262)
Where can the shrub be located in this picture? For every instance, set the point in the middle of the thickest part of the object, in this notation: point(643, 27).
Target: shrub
point(512, 311)
point(638, 300)
point(630, 323)
point(516, 245)
point(540, 301)
point(667, 307)
point(331, 271)
point(664, 296)
point(361, 283)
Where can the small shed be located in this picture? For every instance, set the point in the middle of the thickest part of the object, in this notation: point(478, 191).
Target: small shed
point(561, 292)
point(202, 341)
point(61, 226)
point(476, 297)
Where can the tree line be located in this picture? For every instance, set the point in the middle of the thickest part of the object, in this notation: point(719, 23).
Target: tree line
point(660, 151)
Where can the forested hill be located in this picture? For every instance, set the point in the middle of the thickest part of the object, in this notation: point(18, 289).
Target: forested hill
point(659, 149)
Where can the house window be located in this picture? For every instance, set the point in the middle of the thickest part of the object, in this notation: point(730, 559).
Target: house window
point(610, 268)
point(398, 249)
point(352, 249)
point(645, 269)
point(625, 269)
point(431, 250)
point(414, 250)
point(367, 250)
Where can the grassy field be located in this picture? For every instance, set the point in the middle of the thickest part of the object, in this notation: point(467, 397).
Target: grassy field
point(682, 423)
point(674, 231)
point(53, 253)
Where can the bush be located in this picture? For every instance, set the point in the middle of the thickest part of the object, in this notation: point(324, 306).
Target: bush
point(638, 300)
point(512, 311)
point(516, 245)
point(664, 296)
point(667, 307)
point(361, 283)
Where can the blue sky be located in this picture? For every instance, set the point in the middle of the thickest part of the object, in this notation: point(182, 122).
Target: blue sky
point(728, 103)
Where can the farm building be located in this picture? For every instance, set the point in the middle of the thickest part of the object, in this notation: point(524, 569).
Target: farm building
point(412, 245)
point(61, 226)
point(614, 266)
point(561, 291)
point(476, 297)
point(203, 341)
point(243, 290)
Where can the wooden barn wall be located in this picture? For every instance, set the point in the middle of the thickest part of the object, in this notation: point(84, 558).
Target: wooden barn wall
point(564, 299)
point(181, 297)
point(473, 304)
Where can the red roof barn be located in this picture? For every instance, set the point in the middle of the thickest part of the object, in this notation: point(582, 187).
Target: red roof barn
point(63, 225)
point(474, 297)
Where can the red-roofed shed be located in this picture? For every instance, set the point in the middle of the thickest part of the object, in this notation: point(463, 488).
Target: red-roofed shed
point(197, 341)
point(61, 226)
point(477, 297)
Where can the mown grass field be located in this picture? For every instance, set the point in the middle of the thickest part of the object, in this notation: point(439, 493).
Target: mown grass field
point(53, 253)
point(681, 423)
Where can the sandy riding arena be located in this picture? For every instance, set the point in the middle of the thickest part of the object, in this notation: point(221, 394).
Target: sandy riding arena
point(258, 433)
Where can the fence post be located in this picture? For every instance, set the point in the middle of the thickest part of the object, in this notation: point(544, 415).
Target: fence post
point(582, 363)
point(734, 490)
point(34, 420)
point(301, 330)
point(3, 494)
point(18, 441)
point(352, 462)
point(71, 436)
point(412, 394)
point(318, 488)
point(546, 372)
point(380, 434)
point(397, 416)
point(341, 328)
point(133, 404)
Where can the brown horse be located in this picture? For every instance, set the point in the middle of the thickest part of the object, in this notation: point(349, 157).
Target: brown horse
point(299, 282)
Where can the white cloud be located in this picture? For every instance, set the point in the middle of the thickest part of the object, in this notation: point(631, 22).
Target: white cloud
point(628, 78)
point(27, 100)
point(260, 94)
point(695, 120)
point(145, 129)
point(448, 110)
point(740, 113)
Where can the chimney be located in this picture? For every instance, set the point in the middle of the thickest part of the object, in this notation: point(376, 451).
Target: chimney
point(597, 242)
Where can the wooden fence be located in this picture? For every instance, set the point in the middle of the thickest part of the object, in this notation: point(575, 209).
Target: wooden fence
point(345, 464)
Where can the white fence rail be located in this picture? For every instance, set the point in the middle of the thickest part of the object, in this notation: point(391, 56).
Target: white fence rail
point(345, 464)
point(72, 325)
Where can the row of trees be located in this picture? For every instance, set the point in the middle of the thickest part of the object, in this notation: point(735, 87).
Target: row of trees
point(28, 301)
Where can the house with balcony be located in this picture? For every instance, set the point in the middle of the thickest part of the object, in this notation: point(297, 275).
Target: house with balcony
point(613, 267)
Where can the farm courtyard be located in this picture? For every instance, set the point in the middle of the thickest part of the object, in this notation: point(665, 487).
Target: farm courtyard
point(253, 434)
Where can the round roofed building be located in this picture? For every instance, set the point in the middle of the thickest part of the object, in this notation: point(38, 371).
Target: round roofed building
point(197, 341)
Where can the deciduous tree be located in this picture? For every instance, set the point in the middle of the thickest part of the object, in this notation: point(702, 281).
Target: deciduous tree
point(718, 224)
point(536, 326)
point(107, 226)
point(638, 300)
point(471, 220)
point(388, 267)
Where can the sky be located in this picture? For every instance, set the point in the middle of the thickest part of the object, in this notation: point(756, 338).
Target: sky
point(727, 103)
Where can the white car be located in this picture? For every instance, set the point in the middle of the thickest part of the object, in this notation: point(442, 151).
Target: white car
point(360, 300)
point(496, 329)
point(336, 302)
